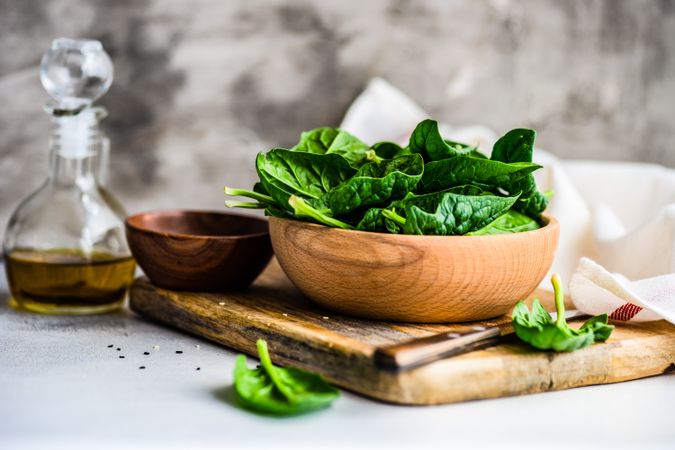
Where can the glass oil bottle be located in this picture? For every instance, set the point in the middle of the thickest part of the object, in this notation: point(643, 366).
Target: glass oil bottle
point(64, 247)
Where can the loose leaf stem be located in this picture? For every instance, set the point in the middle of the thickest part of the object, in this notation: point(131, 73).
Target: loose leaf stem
point(302, 209)
point(559, 300)
point(248, 205)
point(266, 362)
point(262, 198)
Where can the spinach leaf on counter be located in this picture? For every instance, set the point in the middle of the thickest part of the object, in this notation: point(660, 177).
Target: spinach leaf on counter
point(538, 328)
point(431, 186)
point(280, 390)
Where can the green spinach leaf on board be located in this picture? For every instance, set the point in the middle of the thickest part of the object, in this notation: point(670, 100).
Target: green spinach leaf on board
point(426, 140)
point(334, 141)
point(517, 146)
point(446, 212)
point(280, 390)
point(538, 328)
point(446, 173)
point(376, 183)
point(509, 222)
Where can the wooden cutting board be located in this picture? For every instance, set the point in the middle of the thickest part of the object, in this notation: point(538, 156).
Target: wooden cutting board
point(341, 348)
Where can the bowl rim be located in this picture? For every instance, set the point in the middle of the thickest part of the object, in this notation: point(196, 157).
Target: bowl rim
point(551, 224)
point(177, 211)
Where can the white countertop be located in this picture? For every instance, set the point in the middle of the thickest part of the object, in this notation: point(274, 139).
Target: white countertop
point(62, 387)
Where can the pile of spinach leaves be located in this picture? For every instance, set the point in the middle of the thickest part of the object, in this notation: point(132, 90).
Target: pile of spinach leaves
point(433, 186)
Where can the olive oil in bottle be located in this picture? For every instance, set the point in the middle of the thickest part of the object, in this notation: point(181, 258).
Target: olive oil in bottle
point(68, 281)
point(64, 246)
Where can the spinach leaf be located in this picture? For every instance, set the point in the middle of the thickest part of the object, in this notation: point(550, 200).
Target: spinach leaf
point(531, 202)
point(277, 390)
point(334, 141)
point(446, 212)
point(440, 175)
point(276, 211)
point(509, 222)
point(517, 146)
point(598, 324)
point(284, 173)
point(426, 140)
point(302, 209)
point(376, 183)
point(538, 328)
point(389, 150)
point(374, 220)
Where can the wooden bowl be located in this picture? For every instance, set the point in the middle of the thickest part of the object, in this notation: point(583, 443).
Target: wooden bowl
point(427, 279)
point(199, 250)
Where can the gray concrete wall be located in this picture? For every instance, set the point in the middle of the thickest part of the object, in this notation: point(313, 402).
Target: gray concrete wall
point(201, 86)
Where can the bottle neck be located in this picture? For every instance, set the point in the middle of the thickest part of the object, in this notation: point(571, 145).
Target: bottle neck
point(66, 171)
point(78, 151)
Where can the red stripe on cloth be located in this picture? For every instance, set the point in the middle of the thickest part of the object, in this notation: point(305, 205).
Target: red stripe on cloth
point(625, 312)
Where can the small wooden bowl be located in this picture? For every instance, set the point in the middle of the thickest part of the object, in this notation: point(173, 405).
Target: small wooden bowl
point(426, 279)
point(199, 250)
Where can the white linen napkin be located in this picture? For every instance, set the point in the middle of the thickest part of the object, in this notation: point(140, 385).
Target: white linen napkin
point(596, 291)
point(620, 214)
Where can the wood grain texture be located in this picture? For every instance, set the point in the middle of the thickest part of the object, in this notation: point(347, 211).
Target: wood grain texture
point(206, 250)
point(302, 334)
point(426, 279)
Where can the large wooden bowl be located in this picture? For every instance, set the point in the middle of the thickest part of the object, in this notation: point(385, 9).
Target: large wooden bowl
point(405, 278)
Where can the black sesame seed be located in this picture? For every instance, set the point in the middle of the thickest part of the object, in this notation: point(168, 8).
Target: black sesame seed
point(142, 367)
point(121, 356)
point(198, 368)
point(118, 349)
point(110, 346)
point(179, 351)
point(146, 353)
